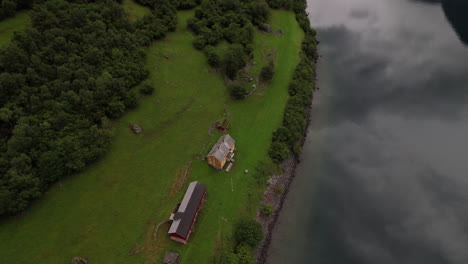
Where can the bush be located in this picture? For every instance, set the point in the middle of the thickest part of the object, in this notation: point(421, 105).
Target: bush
point(131, 100)
point(199, 42)
point(238, 91)
point(267, 72)
point(282, 134)
point(228, 258)
point(245, 254)
point(267, 209)
point(263, 170)
point(279, 151)
point(146, 88)
point(234, 60)
point(212, 56)
point(248, 232)
point(279, 189)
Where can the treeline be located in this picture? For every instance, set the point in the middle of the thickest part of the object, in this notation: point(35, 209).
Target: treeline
point(288, 137)
point(61, 80)
point(247, 236)
point(230, 20)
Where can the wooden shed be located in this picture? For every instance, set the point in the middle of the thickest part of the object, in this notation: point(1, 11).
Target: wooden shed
point(223, 125)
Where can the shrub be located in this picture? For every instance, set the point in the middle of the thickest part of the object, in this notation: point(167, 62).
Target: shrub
point(131, 100)
point(234, 60)
point(245, 254)
point(238, 91)
point(212, 56)
point(228, 258)
point(199, 42)
point(248, 232)
point(267, 209)
point(146, 88)
point(263, 170)
point(266, 73)
point(279, 151)
point(279, 189)
point(282, 134)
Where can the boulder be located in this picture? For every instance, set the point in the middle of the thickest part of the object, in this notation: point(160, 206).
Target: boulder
point(136, 128)
point(78, 260)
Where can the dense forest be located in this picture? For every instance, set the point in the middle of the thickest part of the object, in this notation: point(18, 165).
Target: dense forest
point(61, 81)
point(228, 20)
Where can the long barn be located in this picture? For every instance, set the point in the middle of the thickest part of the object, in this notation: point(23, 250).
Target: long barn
point(185, 216)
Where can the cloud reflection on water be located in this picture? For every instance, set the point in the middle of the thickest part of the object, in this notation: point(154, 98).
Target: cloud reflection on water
point(386, 152)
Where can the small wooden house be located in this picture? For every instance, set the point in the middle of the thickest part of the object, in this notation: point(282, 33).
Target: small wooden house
point(186, 215)
point(222, 152)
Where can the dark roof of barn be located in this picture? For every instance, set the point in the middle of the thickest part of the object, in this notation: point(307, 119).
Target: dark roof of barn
point(187, 209)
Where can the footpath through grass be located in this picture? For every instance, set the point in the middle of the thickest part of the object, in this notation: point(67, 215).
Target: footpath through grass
point(12, 24)
point(108, 212)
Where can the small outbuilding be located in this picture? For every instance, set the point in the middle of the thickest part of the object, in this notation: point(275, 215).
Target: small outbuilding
point(222, 152)
point(186, 214)
point(171, 258)
point(223, 125)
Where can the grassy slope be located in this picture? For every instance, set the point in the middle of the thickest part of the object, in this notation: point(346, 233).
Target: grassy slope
point(134, 10)
point(103, 212)
point(235, 195)
point(10, 25)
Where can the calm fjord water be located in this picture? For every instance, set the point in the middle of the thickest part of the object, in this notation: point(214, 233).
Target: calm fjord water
point(383, 177)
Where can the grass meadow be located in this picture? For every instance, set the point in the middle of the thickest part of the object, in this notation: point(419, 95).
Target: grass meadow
point(108, 212)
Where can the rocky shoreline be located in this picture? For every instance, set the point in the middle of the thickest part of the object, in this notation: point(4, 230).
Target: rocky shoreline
point(271, 196)
point(274, 197)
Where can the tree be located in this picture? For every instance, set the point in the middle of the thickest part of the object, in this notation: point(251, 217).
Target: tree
point(245, 254)
point(279, 151)
point(266, 73)
point(248, 232)
point(8, 8)
point(146, 88)
point(234, 60)
point(238, 91)
point(131, 100)
point(267, 209)
point(199, 42)
point(282, 134)
point(228, 258)
point(212, 56)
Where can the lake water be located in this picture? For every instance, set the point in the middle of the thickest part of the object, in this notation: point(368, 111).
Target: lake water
point(383, 177)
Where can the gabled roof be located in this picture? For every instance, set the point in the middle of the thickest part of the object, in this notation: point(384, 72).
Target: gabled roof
point(222, 147)
point(188, 209)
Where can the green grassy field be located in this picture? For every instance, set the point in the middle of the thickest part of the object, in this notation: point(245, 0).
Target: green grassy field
point(10, 25)
point(134, 10)
point(113, 206)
